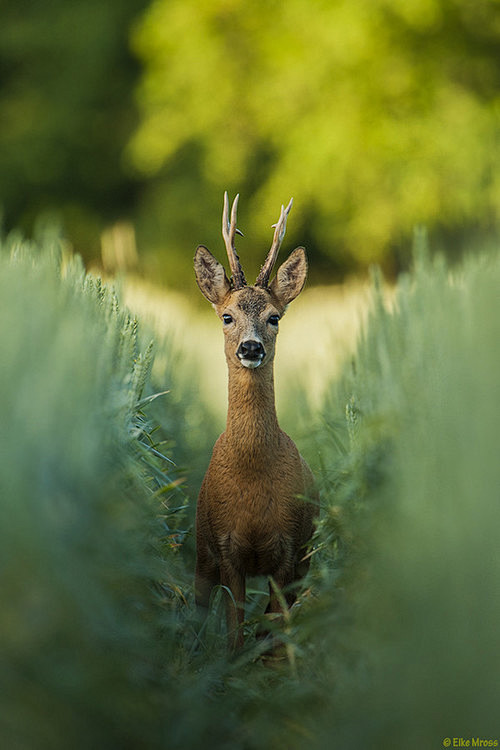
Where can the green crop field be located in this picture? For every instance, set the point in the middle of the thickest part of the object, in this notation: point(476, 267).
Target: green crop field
point(108, 419)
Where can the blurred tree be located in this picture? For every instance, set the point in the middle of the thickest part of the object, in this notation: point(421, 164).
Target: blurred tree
point(66, 80)
point(374, 115)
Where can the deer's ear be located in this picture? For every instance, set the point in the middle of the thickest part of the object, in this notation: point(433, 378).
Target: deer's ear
point(210, 276)
point(291, 277)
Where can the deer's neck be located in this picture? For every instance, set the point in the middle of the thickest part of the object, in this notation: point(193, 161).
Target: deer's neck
point(252, 427)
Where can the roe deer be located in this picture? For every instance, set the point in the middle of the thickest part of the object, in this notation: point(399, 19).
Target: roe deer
point(252, 518)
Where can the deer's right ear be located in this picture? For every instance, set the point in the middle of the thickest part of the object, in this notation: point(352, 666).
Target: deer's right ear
point(210, 276)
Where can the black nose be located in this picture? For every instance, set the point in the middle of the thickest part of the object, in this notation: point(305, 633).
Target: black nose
point(250, 350)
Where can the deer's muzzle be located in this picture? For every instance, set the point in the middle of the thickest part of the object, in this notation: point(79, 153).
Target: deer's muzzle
point(251, 353)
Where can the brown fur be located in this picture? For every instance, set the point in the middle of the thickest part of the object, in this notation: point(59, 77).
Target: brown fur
point(251, 516)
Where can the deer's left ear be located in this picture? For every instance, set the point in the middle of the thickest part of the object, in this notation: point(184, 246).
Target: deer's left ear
point(291, 277)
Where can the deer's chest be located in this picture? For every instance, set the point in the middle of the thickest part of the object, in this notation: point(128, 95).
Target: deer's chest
point(253, 523)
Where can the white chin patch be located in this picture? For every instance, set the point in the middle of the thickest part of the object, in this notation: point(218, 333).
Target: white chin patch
point(251, 363)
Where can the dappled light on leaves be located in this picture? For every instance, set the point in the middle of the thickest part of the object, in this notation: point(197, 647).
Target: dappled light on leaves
point(376, 116)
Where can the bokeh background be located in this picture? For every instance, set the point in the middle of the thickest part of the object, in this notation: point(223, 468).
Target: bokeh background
point(125, 121)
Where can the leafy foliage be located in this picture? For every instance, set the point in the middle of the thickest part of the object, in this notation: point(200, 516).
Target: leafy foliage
point(66, 76)
point(376, 116)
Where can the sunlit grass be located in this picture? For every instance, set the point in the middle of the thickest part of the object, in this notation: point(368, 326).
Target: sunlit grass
point(317, 335)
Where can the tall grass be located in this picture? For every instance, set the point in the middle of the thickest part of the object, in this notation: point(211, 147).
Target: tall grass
point(82, 536)
point(419, 486)
point(394, 642)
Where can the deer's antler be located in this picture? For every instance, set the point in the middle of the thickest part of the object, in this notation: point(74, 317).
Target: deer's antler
point(228, 231)
point(279, 233)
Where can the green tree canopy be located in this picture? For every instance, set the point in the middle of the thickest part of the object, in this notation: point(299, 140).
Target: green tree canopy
point(375, 115)
point(66, 112)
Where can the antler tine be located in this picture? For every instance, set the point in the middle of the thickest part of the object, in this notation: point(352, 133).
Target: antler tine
point(228, 231)
point(279, 233)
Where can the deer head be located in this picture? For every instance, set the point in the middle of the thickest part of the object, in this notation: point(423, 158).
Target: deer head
point(250, 314)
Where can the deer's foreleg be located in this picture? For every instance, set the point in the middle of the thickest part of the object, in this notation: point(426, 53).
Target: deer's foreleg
point(234, 581)
point(280, 595)
point(206, 577)
point(281, 599)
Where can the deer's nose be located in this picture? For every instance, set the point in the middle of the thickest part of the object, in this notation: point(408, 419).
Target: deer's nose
point(251, 350)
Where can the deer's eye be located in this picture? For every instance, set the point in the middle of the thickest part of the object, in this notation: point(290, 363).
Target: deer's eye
point(227, 319)
point(273, 320)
